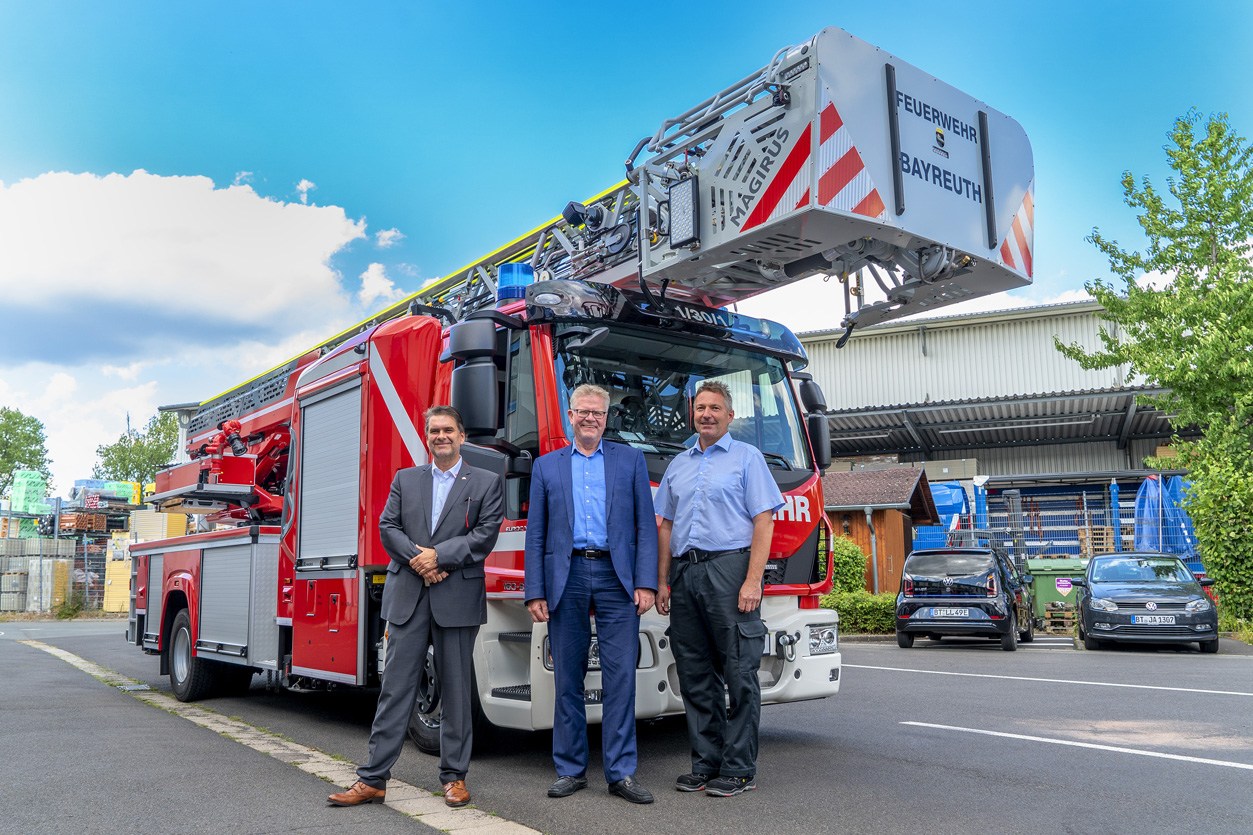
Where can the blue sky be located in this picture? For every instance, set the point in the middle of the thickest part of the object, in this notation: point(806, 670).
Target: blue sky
point(305, 162)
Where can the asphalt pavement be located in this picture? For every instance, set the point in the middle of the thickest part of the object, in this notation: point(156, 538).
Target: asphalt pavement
point(950, 737)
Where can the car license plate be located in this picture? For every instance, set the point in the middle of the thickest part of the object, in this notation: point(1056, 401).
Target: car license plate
point(1160, 620)
point(950, 613)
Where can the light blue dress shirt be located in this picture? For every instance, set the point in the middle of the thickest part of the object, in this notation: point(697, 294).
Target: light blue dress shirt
point(711, 496)
point(441, 485)
point(587, 482)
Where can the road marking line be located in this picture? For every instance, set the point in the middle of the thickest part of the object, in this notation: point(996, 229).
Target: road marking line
point(413, 801)
point(1115, 748)
point(1053, 680)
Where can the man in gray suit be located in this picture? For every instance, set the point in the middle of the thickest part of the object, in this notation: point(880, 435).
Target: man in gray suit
point(440, 523)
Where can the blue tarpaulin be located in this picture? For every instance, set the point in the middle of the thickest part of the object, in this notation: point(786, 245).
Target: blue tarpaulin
point(1161, 522)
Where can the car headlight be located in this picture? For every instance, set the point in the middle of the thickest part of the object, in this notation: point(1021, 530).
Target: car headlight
point(1103, 605)
point(823, 638)
point(1201, 605)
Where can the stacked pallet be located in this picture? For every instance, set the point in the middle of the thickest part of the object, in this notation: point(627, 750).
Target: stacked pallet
point(13, 581)
point(81, 520)
point(48, 583)
point(1059, 616)
point(117, 583)
point(1096, 541)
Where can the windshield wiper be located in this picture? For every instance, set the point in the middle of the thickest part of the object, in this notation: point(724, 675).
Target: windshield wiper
point(781, 459)
point(677, 447)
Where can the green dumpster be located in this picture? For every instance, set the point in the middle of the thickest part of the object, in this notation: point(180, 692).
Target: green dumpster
point(1053, 590)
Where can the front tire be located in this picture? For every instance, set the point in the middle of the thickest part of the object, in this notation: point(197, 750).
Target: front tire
point(1009, 641)
point(1090, 643)
point(1210, 647)
point(191, 678)
point(904, 640)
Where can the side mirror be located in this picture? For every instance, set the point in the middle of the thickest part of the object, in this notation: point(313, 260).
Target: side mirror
point(1083, 584)
point(812, 397)
point(1027, 578)
point(1205, 582)
point(473, 390)
point(820, 439)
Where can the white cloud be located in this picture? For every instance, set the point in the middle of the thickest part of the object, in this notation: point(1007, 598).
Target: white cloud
point(131, 266)
point(388, 237)
point(304, 187)
point(376, 285)
point(242, 177)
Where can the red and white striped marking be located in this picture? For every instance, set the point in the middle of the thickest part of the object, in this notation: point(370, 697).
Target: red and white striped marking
point(843, 182)
point(789, 190)
point(1018, 243)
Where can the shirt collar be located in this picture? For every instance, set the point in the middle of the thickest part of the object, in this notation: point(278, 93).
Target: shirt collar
point(450, 474)
point(600, 447)
point(724, 443)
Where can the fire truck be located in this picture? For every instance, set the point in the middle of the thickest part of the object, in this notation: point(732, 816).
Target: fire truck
point(835, 158)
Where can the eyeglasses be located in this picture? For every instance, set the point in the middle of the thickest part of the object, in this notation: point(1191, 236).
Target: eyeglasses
point(589, 413)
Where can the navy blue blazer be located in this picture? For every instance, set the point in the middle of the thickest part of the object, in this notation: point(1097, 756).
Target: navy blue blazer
point(629, 520)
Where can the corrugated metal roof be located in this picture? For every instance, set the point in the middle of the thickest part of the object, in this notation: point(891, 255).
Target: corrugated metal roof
point(879, 488)
point(977, 356)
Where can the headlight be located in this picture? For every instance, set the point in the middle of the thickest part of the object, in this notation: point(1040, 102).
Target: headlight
point(1103, 605)
point(1201, 605)
point(823, 638)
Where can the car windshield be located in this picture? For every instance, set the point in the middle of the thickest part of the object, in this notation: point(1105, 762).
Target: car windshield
point(948, 565)
point(1139, 569)
point(652, 379)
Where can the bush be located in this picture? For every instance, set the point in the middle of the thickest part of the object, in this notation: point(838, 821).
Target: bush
point(848, 565)
point(861, 611)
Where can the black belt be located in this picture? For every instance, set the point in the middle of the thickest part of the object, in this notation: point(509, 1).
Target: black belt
point(590, 553)
point(700, 554)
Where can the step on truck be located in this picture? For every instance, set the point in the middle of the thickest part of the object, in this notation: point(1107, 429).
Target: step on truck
point(835, 158)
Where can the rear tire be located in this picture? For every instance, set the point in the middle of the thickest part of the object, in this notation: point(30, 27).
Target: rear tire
point(904, 640)
point(191, 678)
point(1210, 647)
point(1009, 641)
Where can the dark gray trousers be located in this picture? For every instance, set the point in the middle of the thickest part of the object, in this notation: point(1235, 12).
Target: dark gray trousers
point(717, 649)
point(406, 654)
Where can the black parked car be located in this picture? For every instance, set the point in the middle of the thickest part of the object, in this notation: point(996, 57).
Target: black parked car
point(964, 591)
point(1145, 597)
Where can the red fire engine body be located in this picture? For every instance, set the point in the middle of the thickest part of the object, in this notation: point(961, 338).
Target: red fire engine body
point(628, 291)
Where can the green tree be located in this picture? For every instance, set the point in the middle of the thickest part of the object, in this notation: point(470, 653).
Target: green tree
point(136, 456)
point(1193, 333)
point(22, 446)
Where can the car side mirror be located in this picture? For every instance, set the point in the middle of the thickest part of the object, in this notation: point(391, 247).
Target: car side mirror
point(1205, 582)
point(1027, 578)
point(1083, 584)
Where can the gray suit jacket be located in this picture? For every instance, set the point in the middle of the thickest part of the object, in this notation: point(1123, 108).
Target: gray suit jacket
point(466, 533)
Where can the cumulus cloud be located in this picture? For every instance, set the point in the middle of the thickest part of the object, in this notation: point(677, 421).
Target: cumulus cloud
point(388, 237)
point(304, 187)
point(376, 285)
point(129, 266)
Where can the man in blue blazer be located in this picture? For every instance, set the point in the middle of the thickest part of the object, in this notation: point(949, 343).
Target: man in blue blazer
point(591, 543)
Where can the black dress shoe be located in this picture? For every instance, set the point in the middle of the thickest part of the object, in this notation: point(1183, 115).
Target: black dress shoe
point(629, 789)
point(566, 786)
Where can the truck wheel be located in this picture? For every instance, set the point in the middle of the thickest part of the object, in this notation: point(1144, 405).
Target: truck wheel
point(190, 678)
point(233, 679)
point(904, 640)
point(424, 721)
point(1009, 641)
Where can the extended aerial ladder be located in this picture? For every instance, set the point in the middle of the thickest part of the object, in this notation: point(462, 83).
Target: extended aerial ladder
point(835, 158)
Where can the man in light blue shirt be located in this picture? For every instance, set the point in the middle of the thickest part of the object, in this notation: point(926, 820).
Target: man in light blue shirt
point(717, 503)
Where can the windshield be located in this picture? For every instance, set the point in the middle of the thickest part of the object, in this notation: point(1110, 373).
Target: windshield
point(1134, 570)
point(652, 378)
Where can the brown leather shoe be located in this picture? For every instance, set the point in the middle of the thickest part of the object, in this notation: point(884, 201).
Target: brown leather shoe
point(357, 794)
point(456, 793)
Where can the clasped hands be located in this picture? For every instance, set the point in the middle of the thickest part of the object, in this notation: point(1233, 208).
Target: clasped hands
point(426, 563)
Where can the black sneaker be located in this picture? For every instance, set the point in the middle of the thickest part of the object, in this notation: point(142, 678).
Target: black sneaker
point(566, 786)
point(728, 786)
point(692, 782)
point(628, 789)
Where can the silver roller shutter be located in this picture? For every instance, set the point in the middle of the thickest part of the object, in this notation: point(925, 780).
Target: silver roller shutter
point(330, 472)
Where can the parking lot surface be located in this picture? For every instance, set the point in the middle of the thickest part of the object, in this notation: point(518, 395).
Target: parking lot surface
point(950, 737)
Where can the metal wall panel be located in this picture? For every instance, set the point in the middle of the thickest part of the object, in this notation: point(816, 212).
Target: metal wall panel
point(263, 631)
point(1044, 458)
point(225, 590)
point(152, 620)
point(330, 472)
point(967, 357)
